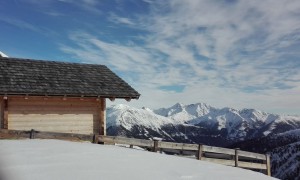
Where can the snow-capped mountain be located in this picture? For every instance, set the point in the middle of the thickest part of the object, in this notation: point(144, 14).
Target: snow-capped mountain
point(183, 113)
point(248, 129)
point(141, 123)
point(234, 124)
point(197, 123)
point(126, 116)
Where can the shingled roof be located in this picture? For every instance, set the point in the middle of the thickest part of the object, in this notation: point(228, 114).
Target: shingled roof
point(39, 78)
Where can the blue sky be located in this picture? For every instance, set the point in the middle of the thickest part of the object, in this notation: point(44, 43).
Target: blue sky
point(241, 54)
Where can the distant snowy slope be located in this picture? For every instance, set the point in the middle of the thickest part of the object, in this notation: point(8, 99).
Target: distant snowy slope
point(2, 54)
point(126, 116)
point(284, 149)
point(140, 123)
point(62, 160)
point(286, 161)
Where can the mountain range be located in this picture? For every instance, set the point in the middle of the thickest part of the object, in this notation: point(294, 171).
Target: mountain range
point(248, 129)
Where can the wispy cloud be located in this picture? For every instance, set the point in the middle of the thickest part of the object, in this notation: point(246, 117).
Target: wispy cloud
point(87, 5)
point(20, 24)
point(120, 20)
point(238, 53)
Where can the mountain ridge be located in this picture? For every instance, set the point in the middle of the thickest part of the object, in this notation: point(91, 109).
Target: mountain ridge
point(200, 119)
point(247, 129)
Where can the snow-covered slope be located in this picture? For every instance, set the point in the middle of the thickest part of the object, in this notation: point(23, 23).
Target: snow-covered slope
point(284, 149)
point(61, 160)
point(268, 143)
point(126, 116)
point(2, 54)
point(286, 161)
point(140, 123)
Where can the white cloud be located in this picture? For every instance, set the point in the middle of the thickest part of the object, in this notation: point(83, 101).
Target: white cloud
point(120, 20)
point(219, 51)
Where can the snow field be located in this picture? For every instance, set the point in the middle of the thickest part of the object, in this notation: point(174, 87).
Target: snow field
point(55, 159)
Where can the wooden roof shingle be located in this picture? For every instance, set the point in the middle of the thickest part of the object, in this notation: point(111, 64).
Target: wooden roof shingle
point(38, 77)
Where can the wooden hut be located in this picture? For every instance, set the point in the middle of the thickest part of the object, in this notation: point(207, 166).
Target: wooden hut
point(57, 96)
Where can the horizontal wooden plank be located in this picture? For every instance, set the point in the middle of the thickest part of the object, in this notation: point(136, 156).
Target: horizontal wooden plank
point(54, 125)
point(1, 111)
point(218, 150)
point(250, 165)
point(49, 135)
point(51, 117)
point(77, 131)
point(86, 137)
point(180, 146)
point(217, 155)
point(50, 123)
point(51, 126)
point(123, 140)
point(51, 99)
point(57, 123)
point(38, 104)
point(55, 128)
point(252, 155)
point(51, 108)
point(14, 133)
point(51, 114)
point(219, 161)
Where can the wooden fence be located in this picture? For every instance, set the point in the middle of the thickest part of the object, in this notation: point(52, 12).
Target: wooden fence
point(225, 156)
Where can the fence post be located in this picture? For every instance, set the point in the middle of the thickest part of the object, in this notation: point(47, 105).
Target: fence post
point(199, 152)
point(155, 145)
point(268, 164)
point(131, 146)
point(96, 139)
point(236, 157)
point(31, 136)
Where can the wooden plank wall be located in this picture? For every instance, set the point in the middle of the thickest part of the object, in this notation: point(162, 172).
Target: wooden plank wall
point(102, 117)
point(1, 112)
point(70, 115)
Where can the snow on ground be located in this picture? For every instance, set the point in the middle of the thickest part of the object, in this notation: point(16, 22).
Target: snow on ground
point(55, 159)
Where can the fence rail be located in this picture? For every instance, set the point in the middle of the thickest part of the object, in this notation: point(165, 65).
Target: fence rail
point(225, 156)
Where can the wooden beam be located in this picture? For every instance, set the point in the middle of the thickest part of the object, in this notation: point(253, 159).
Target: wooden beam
point(155, 145)
point(268, 164)
point(124, 140)
point(200, 151)
point(252, 155)
point(102, 117)
point(5, 113)
point(236, 157)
